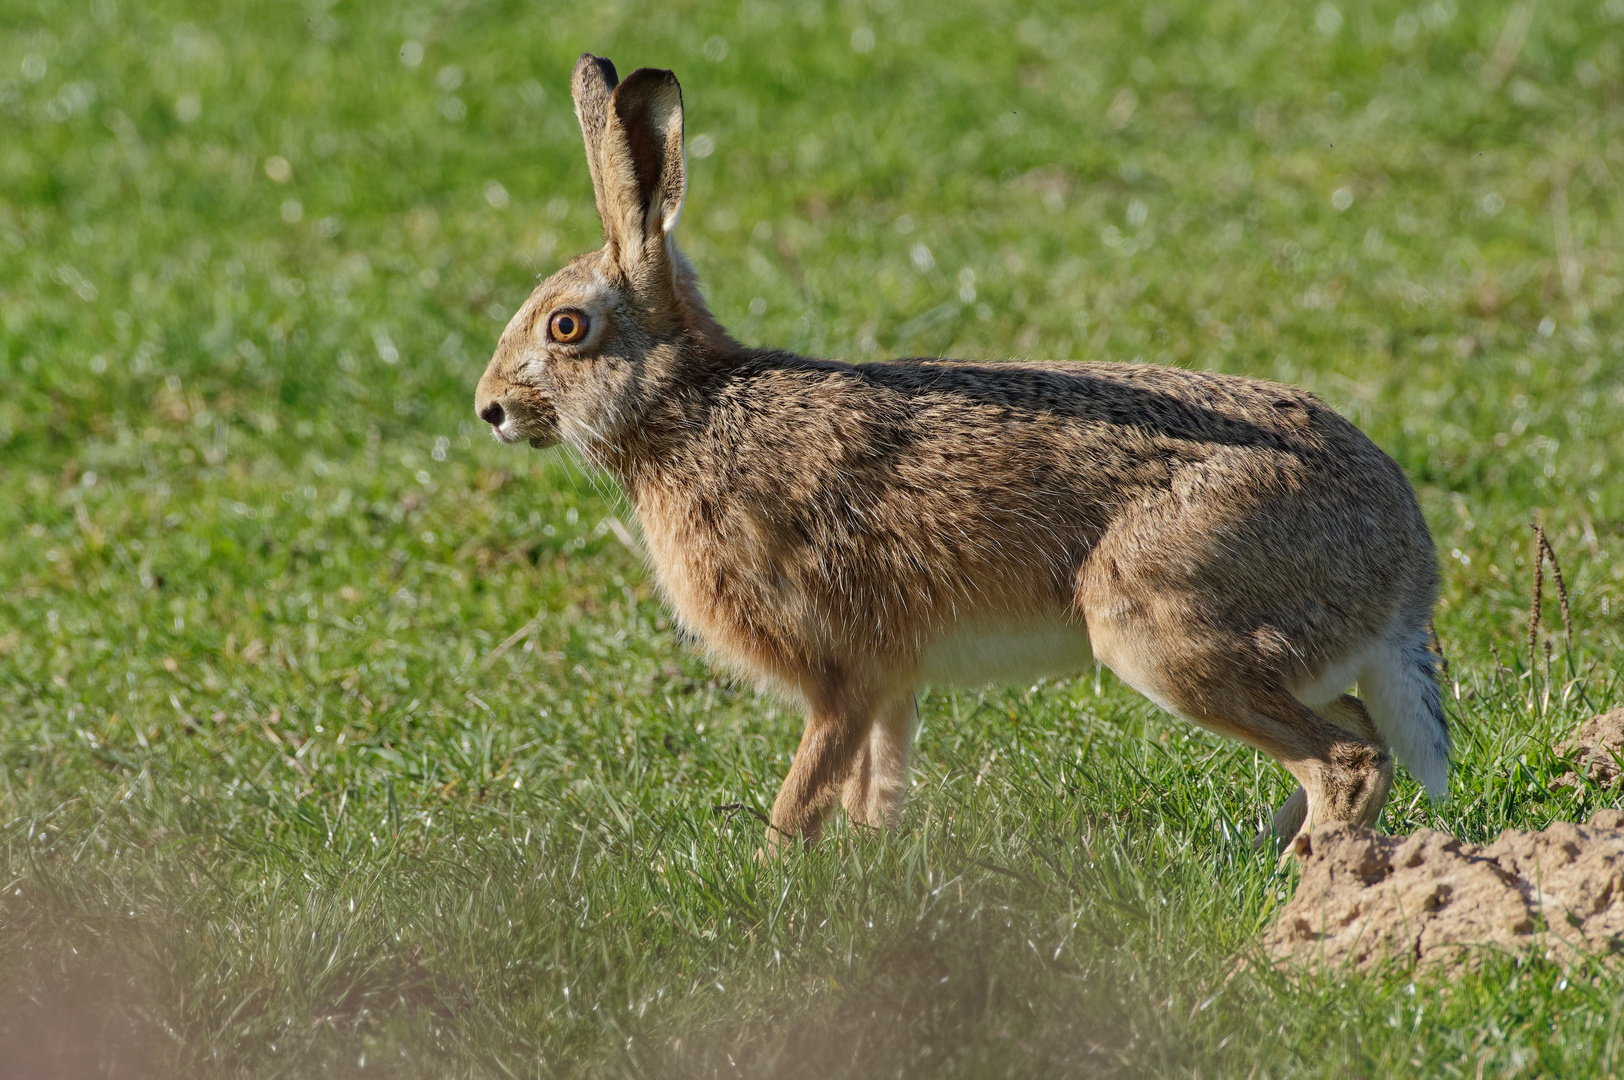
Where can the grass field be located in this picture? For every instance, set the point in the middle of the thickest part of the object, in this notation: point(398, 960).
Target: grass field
point(336, 739)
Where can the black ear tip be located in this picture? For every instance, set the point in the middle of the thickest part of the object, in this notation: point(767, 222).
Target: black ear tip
point(605, 67)
point(646, 80)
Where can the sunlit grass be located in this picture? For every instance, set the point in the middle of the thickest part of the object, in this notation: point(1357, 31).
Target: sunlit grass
point(275, 799)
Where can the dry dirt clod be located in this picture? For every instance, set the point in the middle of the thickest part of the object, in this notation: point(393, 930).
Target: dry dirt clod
point(1431, 899)
point(1596, 748)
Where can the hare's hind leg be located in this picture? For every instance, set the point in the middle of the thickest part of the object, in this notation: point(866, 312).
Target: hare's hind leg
point(1348, 713)
point(1345, 775)
point(1286, 823)
point(1401, 712)
point(873, 792)
point(1335, 753)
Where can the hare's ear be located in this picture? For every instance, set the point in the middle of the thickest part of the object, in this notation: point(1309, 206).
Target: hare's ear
point(642, 178)
point(591, 85)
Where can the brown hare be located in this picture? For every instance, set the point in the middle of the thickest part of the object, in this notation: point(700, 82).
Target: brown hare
point(1231, 548)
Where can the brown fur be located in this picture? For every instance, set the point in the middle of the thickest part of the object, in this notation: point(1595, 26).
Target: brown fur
point(823, 526)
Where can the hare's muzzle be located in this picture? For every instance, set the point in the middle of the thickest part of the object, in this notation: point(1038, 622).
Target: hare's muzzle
point(516, 413)
point(488, 404)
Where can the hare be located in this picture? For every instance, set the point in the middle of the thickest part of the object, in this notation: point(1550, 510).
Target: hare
point(1233, 549)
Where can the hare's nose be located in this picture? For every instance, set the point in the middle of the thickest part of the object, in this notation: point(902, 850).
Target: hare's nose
point(492, 414)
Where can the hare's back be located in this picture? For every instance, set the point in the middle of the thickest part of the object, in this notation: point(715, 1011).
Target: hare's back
point(1144, 399)
point(1108, 434)
point(1106, 412)
point(1243, 478)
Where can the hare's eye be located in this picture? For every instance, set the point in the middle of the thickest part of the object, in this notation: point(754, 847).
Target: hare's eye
point(566, 327)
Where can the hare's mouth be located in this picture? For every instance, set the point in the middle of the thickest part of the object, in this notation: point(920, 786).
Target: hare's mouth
point(510, 432)
point(507, 431)
point(516, 424)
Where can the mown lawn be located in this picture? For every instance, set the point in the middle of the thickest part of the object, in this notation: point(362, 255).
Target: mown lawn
point(336, 739)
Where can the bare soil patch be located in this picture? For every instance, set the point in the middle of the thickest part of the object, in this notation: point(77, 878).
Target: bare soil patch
point(1431, 899)
point(1596, 750)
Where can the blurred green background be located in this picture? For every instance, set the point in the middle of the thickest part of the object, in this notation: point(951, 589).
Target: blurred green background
point(335, 738)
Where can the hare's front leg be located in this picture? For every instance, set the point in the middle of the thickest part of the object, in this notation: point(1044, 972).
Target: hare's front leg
point(835, 733)
point(873, 793)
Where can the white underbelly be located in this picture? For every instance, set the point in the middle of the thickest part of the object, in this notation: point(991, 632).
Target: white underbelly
point(974, 656)
point(1336, 679)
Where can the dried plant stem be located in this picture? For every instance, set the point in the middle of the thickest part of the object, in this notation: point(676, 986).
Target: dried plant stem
point(514, 638)
point(731, 810)
point(1542, 550)
point(1538, 558)
point(1561, 591)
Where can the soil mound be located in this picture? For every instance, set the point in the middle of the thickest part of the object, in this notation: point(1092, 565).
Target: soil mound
point(1430, 899)
point(1595, 749)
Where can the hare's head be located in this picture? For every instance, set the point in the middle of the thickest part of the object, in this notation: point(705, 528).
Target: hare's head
point(600, 340)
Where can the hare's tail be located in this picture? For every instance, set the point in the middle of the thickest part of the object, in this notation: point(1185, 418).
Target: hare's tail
point(1399, 686)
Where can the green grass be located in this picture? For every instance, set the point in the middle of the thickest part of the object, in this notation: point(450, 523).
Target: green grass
point(274, 803)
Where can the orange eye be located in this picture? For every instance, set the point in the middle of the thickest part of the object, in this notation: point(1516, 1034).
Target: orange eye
point(566, 327)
